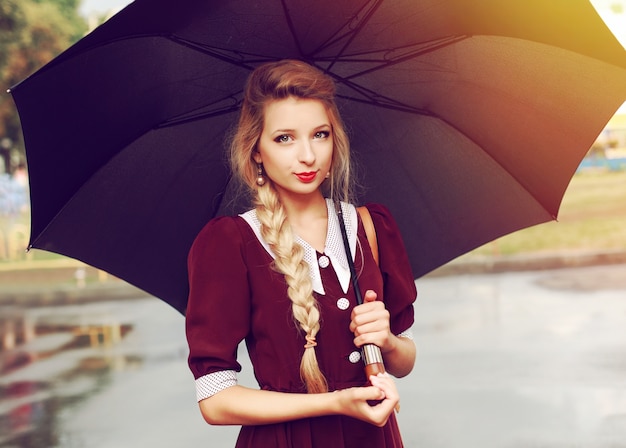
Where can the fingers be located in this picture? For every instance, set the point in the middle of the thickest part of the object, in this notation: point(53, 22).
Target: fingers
point(371, 326)
point(381, 339)
point(387, 386)
point(374, 326)
point(387, 400)
point(371, 393)
point(379, 336)
point(370, 322)
point(368, 403)
point(370, 296)
point(368, 312)
point(369, 304)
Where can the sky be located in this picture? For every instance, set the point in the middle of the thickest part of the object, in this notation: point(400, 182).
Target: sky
point(613, 12)
point(99, 7)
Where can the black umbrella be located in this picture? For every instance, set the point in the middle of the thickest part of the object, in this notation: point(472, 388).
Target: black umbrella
point(467, 119)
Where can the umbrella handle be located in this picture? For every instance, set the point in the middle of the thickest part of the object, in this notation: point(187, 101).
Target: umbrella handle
point(370, 353)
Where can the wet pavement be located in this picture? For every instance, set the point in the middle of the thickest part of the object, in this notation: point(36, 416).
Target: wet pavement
point(531, 359)
point(520, 360)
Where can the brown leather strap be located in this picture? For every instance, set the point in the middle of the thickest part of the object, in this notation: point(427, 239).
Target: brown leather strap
point(370, 230)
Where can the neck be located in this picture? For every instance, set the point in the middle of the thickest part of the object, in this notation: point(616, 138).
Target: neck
point(302, 208)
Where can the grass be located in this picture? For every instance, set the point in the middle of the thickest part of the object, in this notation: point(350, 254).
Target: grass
point(592, 217)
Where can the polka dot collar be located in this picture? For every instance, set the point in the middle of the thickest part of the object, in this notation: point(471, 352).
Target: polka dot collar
point(333, 249)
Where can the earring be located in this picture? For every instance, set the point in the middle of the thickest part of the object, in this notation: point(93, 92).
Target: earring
point(327, 175)
point(260, 180)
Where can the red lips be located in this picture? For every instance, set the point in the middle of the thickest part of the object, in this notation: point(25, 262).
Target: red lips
point(307, 177)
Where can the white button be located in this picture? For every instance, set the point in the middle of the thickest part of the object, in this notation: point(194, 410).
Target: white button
point(343, 303)
point(323, 261)
point(354, 357)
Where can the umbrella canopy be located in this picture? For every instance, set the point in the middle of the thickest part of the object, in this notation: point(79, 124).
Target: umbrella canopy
point(467, 119)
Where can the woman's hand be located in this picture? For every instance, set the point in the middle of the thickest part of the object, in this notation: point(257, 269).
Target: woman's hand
point(355, 401)
point(370, 323)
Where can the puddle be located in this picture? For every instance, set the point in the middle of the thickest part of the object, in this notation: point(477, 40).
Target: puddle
point(72, 360)
point(30, 411)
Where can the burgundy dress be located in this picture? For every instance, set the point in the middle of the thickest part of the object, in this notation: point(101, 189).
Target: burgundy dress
point(236, 295)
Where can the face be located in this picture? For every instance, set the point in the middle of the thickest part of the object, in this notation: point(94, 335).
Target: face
point(296, 146)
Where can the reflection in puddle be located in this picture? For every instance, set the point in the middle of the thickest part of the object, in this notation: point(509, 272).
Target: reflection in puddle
point(30, 409)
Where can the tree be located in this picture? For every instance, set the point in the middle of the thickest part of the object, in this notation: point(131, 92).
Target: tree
point(32, 32)
point(69, 10)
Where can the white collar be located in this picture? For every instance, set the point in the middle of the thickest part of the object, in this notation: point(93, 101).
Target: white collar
point(334, 248)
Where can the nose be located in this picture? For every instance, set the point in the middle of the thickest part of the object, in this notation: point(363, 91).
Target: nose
point(306, 154)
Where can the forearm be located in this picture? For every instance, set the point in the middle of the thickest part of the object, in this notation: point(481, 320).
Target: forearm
point(239, 405)
point(399, 358)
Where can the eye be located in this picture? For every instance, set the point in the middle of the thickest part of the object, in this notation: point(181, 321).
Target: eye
point(322, 134)
point(284, 138)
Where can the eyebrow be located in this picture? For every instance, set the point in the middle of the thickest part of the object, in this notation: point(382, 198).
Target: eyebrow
point(283, 131)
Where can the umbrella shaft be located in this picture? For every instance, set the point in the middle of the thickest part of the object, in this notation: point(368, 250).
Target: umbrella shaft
point(372, 357)
point(346, 245)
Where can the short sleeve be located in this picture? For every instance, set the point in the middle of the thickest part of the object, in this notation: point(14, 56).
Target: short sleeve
point(398, 281)
point(218, 311)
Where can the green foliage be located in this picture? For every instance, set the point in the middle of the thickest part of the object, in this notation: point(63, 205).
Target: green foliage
point(12, 19)
point(69, 11)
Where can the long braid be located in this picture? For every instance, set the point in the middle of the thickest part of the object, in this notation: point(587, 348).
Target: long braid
point(289, 260)
point(269, 82)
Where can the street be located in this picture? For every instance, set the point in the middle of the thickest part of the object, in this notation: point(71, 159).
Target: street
point(535, 359)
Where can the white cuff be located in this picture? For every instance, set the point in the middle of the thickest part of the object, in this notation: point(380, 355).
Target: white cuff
point(209, 385)
point(407, 334)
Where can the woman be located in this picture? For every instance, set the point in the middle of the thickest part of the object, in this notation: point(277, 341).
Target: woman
point(277, 276)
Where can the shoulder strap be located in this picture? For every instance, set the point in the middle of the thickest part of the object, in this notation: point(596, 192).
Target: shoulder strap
point(370, 230)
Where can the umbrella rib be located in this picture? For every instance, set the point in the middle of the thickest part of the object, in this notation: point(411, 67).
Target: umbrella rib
point(383, 64)
point(189, 117)
point(247, 63)
point(205, 49)
point(352, 33)
point(337, 35)
point(390, 104)
point(241, 59)
point(396, 105)
point(505, 169)
point(291, 26)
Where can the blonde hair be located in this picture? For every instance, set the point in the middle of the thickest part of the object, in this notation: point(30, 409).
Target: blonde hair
point(270, 82)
